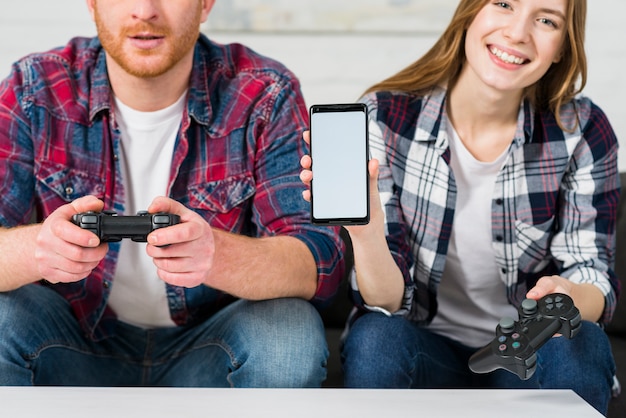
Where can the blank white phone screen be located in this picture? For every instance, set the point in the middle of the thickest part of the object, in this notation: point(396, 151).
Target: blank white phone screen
point(339, 164)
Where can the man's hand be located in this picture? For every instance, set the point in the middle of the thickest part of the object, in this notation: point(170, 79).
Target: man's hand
point(182, 253)
point(64, 252)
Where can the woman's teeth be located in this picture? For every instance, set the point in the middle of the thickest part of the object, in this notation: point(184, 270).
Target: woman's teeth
point(511, 59)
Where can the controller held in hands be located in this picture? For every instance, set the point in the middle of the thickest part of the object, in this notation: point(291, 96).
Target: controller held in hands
point(110, 227)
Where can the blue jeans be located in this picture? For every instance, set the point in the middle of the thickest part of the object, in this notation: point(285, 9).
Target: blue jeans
point(391, 352)
point(274, 343)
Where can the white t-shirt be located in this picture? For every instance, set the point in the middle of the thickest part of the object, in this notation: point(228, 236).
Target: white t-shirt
point(471, 297)
point(138, 295)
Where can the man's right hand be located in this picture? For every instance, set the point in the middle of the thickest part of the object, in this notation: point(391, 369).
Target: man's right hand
point(65, 252)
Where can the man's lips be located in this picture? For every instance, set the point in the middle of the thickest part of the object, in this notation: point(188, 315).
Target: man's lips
point(146, 41)
point(146, 36)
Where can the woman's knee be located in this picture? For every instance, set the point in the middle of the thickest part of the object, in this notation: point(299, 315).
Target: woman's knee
point(583, 363)
point(589, 346)
point(377, 352)
point(374, 333)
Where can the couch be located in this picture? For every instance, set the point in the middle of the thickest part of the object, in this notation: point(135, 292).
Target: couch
point(336, 314)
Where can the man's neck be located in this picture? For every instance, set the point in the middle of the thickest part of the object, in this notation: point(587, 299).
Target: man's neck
point(149, 94)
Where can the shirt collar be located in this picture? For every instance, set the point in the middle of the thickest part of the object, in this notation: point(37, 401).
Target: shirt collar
point(100, 88)
point(199, 103)
point(435, 104)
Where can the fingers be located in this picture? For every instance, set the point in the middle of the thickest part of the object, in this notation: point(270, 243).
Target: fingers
point(182, 264)
point(549, 284)
point(178, 233)
point(182, 253)
point(165, 204)
point(58, 226)
point(84, 204)
point(65, 252)
point(306, 175)
point(372, 168)
point(305, 162)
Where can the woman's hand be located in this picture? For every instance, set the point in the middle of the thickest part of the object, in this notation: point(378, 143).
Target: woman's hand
point(379, 279)
point(376, 213)
point(587, 298)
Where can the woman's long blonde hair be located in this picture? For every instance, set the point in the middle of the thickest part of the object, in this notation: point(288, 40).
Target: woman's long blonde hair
point(442, 64)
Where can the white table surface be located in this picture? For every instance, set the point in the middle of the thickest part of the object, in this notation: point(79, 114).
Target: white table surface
point(70, 402)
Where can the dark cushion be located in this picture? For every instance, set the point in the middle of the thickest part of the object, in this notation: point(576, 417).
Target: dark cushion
point(618, 324)
point(336, 314)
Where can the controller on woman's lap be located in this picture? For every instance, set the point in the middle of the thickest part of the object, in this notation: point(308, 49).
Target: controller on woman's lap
point(516, 343)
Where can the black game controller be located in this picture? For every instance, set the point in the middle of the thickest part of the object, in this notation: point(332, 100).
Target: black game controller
point(516, 343)
point(110, 227)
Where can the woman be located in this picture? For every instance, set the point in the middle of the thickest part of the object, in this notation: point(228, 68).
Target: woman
point(497, 183)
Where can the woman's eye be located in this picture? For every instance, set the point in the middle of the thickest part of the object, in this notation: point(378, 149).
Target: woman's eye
point(548, 22)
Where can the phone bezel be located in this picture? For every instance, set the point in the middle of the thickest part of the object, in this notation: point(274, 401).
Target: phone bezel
point(341, 108)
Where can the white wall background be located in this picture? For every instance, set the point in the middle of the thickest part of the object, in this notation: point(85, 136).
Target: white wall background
point(332, 67)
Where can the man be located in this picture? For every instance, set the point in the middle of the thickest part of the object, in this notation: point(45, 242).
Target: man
point(152, 108)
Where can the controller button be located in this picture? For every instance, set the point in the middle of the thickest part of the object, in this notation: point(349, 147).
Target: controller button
point(516, 345)
point(89, 219)
point(516, 336)
point(502, 339)
point(143, 213)
point(529, 306)
point(560, 305)
point(507, 325)
point(502, 347)
point(559, 298)
point(549, 300)
point(161, 219)
point(531, 361)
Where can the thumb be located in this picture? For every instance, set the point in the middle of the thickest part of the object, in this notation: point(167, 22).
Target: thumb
point(82, 204)
point(165, 204)
point(372, 168)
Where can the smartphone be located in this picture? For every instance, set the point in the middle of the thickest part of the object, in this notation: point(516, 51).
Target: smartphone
point(339, 154)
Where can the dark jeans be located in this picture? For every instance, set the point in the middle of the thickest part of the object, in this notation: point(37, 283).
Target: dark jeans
point(275, 343)
point(391, 352)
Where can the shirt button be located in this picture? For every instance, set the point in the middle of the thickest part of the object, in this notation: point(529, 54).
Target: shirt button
point(499, 202)
point(499, 238)
point(106, 284)
point(69, 190)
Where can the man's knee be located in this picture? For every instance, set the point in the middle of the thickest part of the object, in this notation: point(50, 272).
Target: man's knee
point(286, 344)
point(20, 306)
point(31, 315)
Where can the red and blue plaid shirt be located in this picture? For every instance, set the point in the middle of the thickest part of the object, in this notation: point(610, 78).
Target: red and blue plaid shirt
point(554, 203)
point(236, 160)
